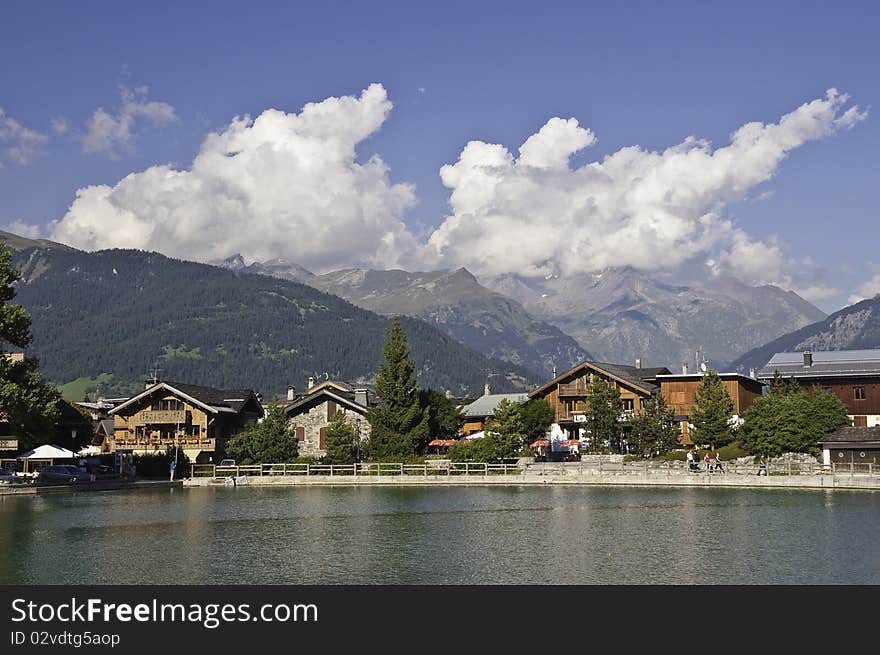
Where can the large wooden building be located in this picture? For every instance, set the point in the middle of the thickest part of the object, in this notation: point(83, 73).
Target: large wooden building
point(851, 375)
point(567, 393)
point(679, 391)
point(199, 419)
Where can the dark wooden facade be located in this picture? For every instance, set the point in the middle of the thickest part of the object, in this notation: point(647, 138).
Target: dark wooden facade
point(861, 395)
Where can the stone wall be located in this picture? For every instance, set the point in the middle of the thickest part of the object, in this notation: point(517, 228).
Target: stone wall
point(315, 419)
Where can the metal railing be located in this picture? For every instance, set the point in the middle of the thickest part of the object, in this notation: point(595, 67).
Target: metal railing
point(356, 470)
point(676, 467)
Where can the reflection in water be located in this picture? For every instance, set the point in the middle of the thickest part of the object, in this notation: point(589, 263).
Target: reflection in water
point(471, 535)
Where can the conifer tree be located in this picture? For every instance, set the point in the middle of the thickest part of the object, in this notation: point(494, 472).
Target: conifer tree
point(507, 423)
point(339, 446)
point(27, 403)
point(712, 411)
point(399, 426)
point(603, 413)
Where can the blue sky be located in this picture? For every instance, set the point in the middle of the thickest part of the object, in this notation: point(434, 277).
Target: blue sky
point(635, 74)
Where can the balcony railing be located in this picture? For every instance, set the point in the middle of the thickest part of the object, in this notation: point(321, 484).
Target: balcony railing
point(161, 444)
point(164, 416)
point(572, 390)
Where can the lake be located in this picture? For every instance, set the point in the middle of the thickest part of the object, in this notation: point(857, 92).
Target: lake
point(439, 535)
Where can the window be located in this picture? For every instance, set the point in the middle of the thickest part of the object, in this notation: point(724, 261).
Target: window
point(331, 410)
point(300, 433)
point(167, 405)
point(322, 438)
point(859, 393)
point(629, 405)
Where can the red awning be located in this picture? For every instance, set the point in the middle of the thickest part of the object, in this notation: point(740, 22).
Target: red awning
point(539, 443)
point(441, 442)
point(570, 442)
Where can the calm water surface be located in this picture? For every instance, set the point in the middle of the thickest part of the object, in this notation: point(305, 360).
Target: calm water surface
point(470, 535)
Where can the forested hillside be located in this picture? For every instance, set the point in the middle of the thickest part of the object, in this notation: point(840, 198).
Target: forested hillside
point(116, 312)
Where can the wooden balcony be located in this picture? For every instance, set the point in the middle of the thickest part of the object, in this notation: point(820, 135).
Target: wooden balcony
point(563, 416)
point(572, 390)
point(163, 416)
point(163, 444)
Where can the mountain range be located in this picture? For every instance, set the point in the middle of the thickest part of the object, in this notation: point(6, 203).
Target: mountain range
point(621, 314)
point(453, 301)
point(852, 328)
point(111, 315)
point(617, 315)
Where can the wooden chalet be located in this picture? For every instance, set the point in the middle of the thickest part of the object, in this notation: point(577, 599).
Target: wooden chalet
point(198, 419)
point(567, 393)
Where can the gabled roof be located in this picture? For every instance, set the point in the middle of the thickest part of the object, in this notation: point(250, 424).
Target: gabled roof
point(339, 386)
point(344, 398)
point(640, 378)
point(862, 436)
point(211, 400)
point(825, 363)
point(485, 405)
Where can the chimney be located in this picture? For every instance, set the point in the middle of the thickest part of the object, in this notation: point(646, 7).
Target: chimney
point(361, 397)
point(311, 381)
point(487, 390)
point(638, 362)
point(808, 359)
point(752, 374)
point(291, 392)
point(684, 369)
point(554, 372)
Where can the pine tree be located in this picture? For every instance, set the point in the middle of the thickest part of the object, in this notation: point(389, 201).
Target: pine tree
point(603, 413)
point(712, 411)
point(339, 446)
point(655, 430)
point(27, 403)
point(399, 426)
point(445, 420)
point(507, 424)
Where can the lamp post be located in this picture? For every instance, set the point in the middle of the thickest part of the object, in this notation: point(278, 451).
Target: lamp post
point(357, 440)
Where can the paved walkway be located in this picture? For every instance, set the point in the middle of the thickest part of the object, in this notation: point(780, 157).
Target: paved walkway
point(585, 477)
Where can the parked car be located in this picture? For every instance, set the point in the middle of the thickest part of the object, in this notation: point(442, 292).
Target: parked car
point(7, 477)
point(227, 462)
point(64, 474)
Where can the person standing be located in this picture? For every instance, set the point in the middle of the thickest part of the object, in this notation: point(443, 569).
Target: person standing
point(708, 462)
point(171, 467)
point(762, 467)
point(717, 462)
point(690, 460)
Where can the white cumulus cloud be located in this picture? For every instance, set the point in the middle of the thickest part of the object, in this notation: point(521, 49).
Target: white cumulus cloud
point(536, 215)
point(109, 133)
point(22, 229)
point(291, 185)
point(280, 185)
point(22, 143)
point(867, 290)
